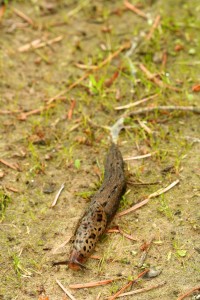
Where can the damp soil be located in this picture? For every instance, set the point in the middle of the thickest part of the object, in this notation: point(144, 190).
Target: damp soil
point(68, 141)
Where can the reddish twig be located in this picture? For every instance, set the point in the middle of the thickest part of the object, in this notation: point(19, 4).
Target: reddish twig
point(117, 229)
point(23, 116)
point(156, 80)
point(23, 16)
point(145, 251)
point(164, 59)
point(12, 166)
point(136, 10)
point(93, 69)
point(127, 285)
point(12, 189)
point(196, 288)
point(110, 81)
point(72, 106)
point(154, 26)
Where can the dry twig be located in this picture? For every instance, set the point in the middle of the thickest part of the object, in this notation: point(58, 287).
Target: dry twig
point(23, 16)
point(136, 102)
point(2, 11)
point(24, 115)
point(145, 110)
point(144, 253)
point(145, 127)
point(196, 288)
point(156, 80)
point(154, 26)
point(153, 195)
point(12, 189)
point(127, 285)
point(136, 10)
point(65, 290)
point(107, 60)
point(39, 44)
point(72, 106)
point(93, 69)
point(139, 156)
point(142, 290)
point(57, 195)
point(91, 284)
point(117, 229)
point(12, 166)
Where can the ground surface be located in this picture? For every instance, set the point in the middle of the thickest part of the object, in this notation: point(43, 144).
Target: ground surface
point(52, 147)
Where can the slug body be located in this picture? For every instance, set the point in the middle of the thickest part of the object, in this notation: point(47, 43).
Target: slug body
point(101, 210)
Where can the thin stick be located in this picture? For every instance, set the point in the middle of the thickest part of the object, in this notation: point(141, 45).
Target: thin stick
point(57, 195)
point(143, 183)
point(105, 61)
point(12, 166)
point(65, 290)
point(98, 296)
point(23, 16)
point(36, 44)
point(72, 106)
point(145, 127)
point(127, 285)
point(118, 230)
point(91, 284)
point(12, 189)
point(9, 112)
point(164, 60)
point(145, 110)
point(24, 115)
point(156, 80)
point(144, 253)
point(135, 9)
point(95, 68)
point(69, 88)
point(197, 288)
point(128, 236)
point(136, 102)
point(138, 157)
point(143, 290)
point(154, 26)
point(142, 203)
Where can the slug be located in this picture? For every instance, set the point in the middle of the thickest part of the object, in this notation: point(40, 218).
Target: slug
point(101, 210)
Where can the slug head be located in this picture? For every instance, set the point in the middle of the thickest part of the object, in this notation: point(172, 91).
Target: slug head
point(76, 260)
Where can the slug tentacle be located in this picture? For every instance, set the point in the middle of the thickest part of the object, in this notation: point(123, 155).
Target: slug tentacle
point(101, 210)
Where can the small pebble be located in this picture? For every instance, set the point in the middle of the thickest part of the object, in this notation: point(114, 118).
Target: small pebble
point(152, 273)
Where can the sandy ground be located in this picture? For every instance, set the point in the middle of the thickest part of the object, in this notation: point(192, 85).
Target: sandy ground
point(66, 142)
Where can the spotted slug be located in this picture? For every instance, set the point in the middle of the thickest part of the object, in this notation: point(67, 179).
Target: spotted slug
point(101, 210)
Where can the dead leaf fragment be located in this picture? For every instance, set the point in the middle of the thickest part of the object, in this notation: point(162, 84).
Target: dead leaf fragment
point(196, 88)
